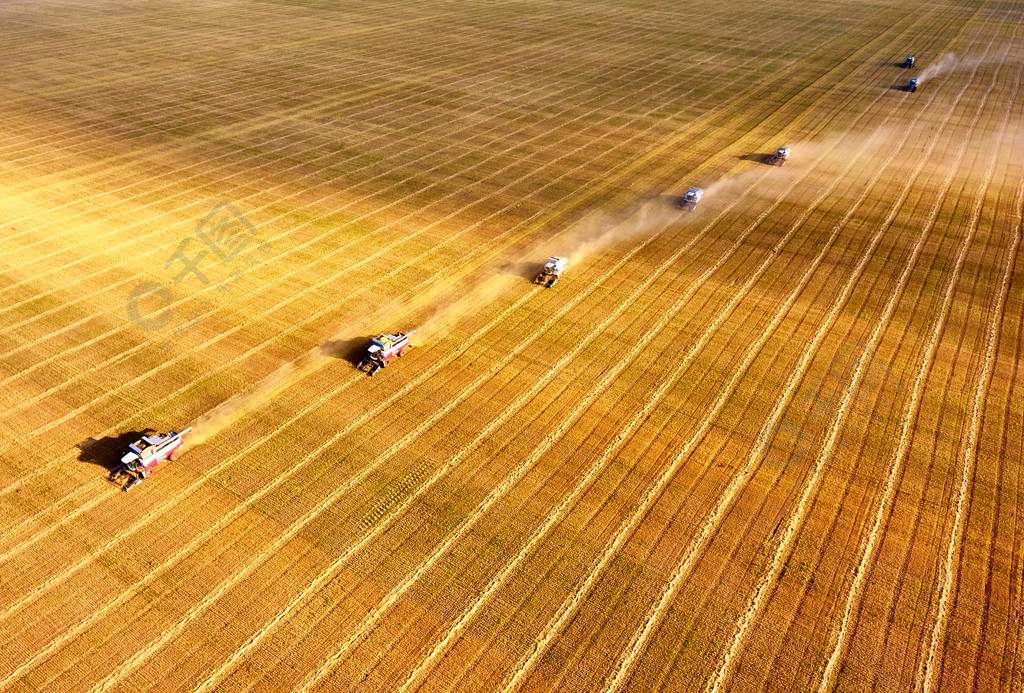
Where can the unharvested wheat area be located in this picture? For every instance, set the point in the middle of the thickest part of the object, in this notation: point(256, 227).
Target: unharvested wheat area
point(770, 441)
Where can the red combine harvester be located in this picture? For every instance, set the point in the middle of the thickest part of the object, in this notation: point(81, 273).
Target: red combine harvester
point(145, 454)
point(383, 350)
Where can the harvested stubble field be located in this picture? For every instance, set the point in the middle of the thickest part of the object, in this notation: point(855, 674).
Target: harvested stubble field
point(771, 444)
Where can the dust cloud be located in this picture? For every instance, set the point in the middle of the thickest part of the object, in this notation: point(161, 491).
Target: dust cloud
point(224, 414)
point(447, 312)
point(592, 234)
point(950, 62)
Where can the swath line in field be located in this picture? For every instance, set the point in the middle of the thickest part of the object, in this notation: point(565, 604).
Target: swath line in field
point(657, 613)
point(525, 665)
point(565, 615)
point(250, 644)
point(927, 676)
point(106, 166)
point(874, 535)
point(618, 175)
point(75, 630)
point(708, 58)
point(261, 193)
point(654, 617)
point(138, 658)
point(87, 506)
point(292, 329)
point(417, 677)
point(439, 273)
point(785, 546)
point(711, 58)
point(304, 270)
point(95, 501)
point(443, 547)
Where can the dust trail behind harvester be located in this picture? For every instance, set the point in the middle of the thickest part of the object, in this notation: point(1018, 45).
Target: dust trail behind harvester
point(948, 63)
point(224, 414)
point(592, 234)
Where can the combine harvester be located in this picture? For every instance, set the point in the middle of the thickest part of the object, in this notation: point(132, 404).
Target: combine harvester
point(145, 454)
point(908, 61)
point(691, 198)
point(911, 85)
point(552, 271)
point(780, 157)
point(383, 350)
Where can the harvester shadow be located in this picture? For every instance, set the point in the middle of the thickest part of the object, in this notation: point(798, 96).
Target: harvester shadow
point(894, 63)
point(106, 452)
point(899, 87)
point(351, 350)
point(759, 158)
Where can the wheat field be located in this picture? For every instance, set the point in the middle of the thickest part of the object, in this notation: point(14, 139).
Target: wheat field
point(771, 444)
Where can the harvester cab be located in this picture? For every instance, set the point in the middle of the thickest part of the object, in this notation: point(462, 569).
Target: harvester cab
point(909, 61)
point(552, 271)
point(691, 198)
point(780, 157)
point(912, 85)
point(383, 350)
point(145, 454)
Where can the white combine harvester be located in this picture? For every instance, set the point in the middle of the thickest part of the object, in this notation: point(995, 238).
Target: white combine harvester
point(383, 350)
point(780, 157)
point(145, 454)
point(552, 271)
point(691, 198)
